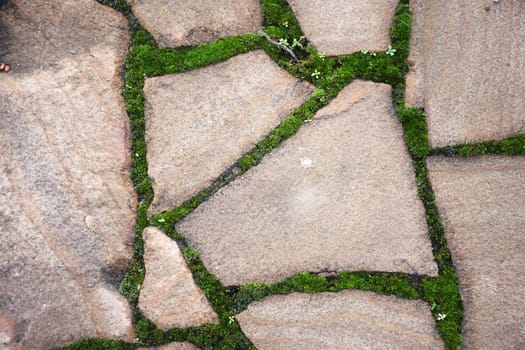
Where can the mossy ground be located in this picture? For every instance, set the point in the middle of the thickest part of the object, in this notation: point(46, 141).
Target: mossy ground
point(330, 75)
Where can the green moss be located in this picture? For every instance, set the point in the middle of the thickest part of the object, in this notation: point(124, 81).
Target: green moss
point(400, 285)
point(442, 294)
point(99, 344)
point(415, 131)
point(512, 146)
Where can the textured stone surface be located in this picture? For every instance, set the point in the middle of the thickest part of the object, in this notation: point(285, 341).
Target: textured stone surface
point(200, 122)
point(338, 27)
point(169, 296)
point(174, 346)
point(190, 22)
point(339, 195)
point(66, 202)
point(344, 320)
point(468, 60)
point(482, 202)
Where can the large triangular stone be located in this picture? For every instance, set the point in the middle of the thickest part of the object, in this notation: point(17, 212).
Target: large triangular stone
point(339, 195)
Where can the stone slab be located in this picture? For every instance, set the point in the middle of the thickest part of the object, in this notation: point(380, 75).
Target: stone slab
point(67, 205)
point(200, 122)
point(169, 296)
point(189, 22)
point(344, 320)
point(339, 195)
point(341, 27)
point(467, 60)
point(482, 203)
point(174, 346)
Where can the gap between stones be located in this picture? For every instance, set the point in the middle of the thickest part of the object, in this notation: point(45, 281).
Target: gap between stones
point(145, 59)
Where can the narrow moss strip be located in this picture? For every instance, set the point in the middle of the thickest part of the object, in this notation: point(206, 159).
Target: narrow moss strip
point(512, 146)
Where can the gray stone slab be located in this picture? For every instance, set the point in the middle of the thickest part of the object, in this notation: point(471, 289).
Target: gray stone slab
point(344, 320)
point(189, 22)
point(467, 60)
point(67, 206)
point(200, 122)
point(482, 203)
point(169, 296)
point(339, 27)
point(339, 195)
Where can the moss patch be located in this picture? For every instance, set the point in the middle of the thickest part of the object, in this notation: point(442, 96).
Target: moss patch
point(512, 146)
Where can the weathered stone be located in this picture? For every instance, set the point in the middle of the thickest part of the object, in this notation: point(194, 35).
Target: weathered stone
point(169, 296)
point(200, 122)
point(482, 203)
point(66, 202)
point(190, 22)
point(467, 60)
point(344, 320)
point(339, 27)
point(174, 346)
point(339, 195)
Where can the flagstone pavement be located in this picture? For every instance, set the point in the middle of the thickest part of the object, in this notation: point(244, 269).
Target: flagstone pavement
point(342, 199)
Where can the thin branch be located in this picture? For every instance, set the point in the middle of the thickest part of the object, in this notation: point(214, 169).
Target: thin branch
point(279, 45)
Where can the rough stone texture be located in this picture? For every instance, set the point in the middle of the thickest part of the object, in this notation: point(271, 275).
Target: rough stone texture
point(169, 296)
point(339, 195)
point(189, 22)
point(344, 320)
point(482, 202)
point(339, 27)
point(200, 122)
point(174, 346)
point(468, 60)
point(66, 202)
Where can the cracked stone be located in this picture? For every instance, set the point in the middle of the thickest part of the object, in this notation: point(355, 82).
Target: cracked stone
point(338, 195)
point(188, 22)
point(169, 296)
point(345, 320)
point(467, 69)
point(482, 203)
point(200, 123)
point(67, 206)
point(341, 27)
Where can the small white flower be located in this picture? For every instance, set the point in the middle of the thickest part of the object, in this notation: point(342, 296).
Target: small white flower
point(390, 51)
point(316, 74)
point(441, 317)
point(364, 51)
point(161, 220)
